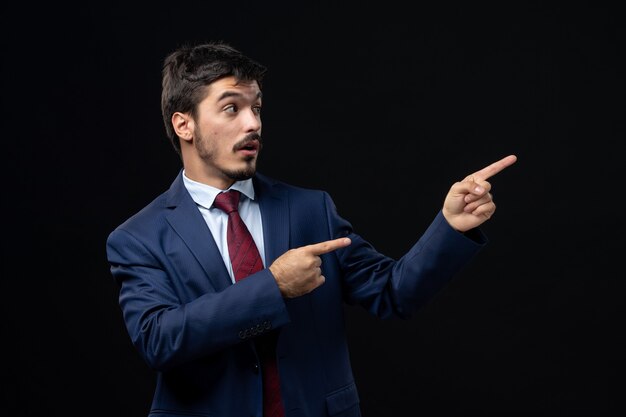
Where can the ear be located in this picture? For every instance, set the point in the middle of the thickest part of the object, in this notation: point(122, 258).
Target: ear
point(183, 126)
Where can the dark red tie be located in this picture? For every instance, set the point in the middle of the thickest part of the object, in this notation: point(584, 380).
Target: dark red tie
point(245, 260)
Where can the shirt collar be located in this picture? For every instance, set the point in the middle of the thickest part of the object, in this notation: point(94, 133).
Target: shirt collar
point(204, 194)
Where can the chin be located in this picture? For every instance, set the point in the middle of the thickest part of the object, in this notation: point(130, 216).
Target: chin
point(241, 175)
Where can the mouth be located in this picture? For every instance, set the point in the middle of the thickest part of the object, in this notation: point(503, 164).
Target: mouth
point(249, 148)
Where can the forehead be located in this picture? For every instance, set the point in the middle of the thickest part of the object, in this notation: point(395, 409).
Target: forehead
point(229, 87)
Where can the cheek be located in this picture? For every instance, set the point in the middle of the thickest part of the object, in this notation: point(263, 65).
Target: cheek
point(226, 137)
point(220, 142)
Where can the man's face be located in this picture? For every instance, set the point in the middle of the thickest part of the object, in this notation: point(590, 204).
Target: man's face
point(227, 133)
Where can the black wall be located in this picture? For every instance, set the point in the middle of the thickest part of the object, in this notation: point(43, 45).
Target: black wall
point(358, 101)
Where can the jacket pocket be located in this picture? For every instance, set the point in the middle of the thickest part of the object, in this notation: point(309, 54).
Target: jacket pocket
point(344, 400)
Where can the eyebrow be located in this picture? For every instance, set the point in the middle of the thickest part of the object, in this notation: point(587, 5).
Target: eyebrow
point(227, 94)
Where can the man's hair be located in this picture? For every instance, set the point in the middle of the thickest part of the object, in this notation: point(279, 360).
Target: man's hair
point(189, 69)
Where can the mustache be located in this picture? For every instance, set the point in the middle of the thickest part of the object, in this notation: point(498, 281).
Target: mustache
point(247, 139)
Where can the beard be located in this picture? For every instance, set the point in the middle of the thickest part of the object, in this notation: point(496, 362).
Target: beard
point(208, 151)
point(242, 174)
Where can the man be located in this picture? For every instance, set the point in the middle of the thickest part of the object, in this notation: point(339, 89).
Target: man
point(269, 340)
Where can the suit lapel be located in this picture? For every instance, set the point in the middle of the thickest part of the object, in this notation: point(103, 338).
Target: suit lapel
point(274, 206)
point(189, 224)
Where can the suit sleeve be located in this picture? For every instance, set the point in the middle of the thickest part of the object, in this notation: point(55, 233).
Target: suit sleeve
point(390, 288)
point(171, 326)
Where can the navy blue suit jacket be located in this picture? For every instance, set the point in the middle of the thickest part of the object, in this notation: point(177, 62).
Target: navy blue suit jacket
point(196, 329)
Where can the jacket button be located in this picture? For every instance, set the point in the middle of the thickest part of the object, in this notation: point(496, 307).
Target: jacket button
point(255, 368)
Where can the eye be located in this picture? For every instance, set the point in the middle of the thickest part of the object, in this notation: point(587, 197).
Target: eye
point(231, 108)
point(256, 109)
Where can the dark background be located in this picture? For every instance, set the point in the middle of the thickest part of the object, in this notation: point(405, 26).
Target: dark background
point(359, 100)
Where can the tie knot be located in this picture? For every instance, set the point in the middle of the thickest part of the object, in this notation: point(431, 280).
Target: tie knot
point(227, 201)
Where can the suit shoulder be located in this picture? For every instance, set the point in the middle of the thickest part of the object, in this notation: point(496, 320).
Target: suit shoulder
point(301, 199)
point(266, 181)
point(148, 216)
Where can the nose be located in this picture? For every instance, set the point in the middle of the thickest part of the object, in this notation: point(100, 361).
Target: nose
point(252, 120)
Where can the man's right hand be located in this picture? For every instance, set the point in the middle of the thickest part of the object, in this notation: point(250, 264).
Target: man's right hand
point(299, 271)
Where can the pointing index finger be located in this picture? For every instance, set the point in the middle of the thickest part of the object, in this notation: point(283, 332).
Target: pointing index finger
point(329, 245)
point(494, 168)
